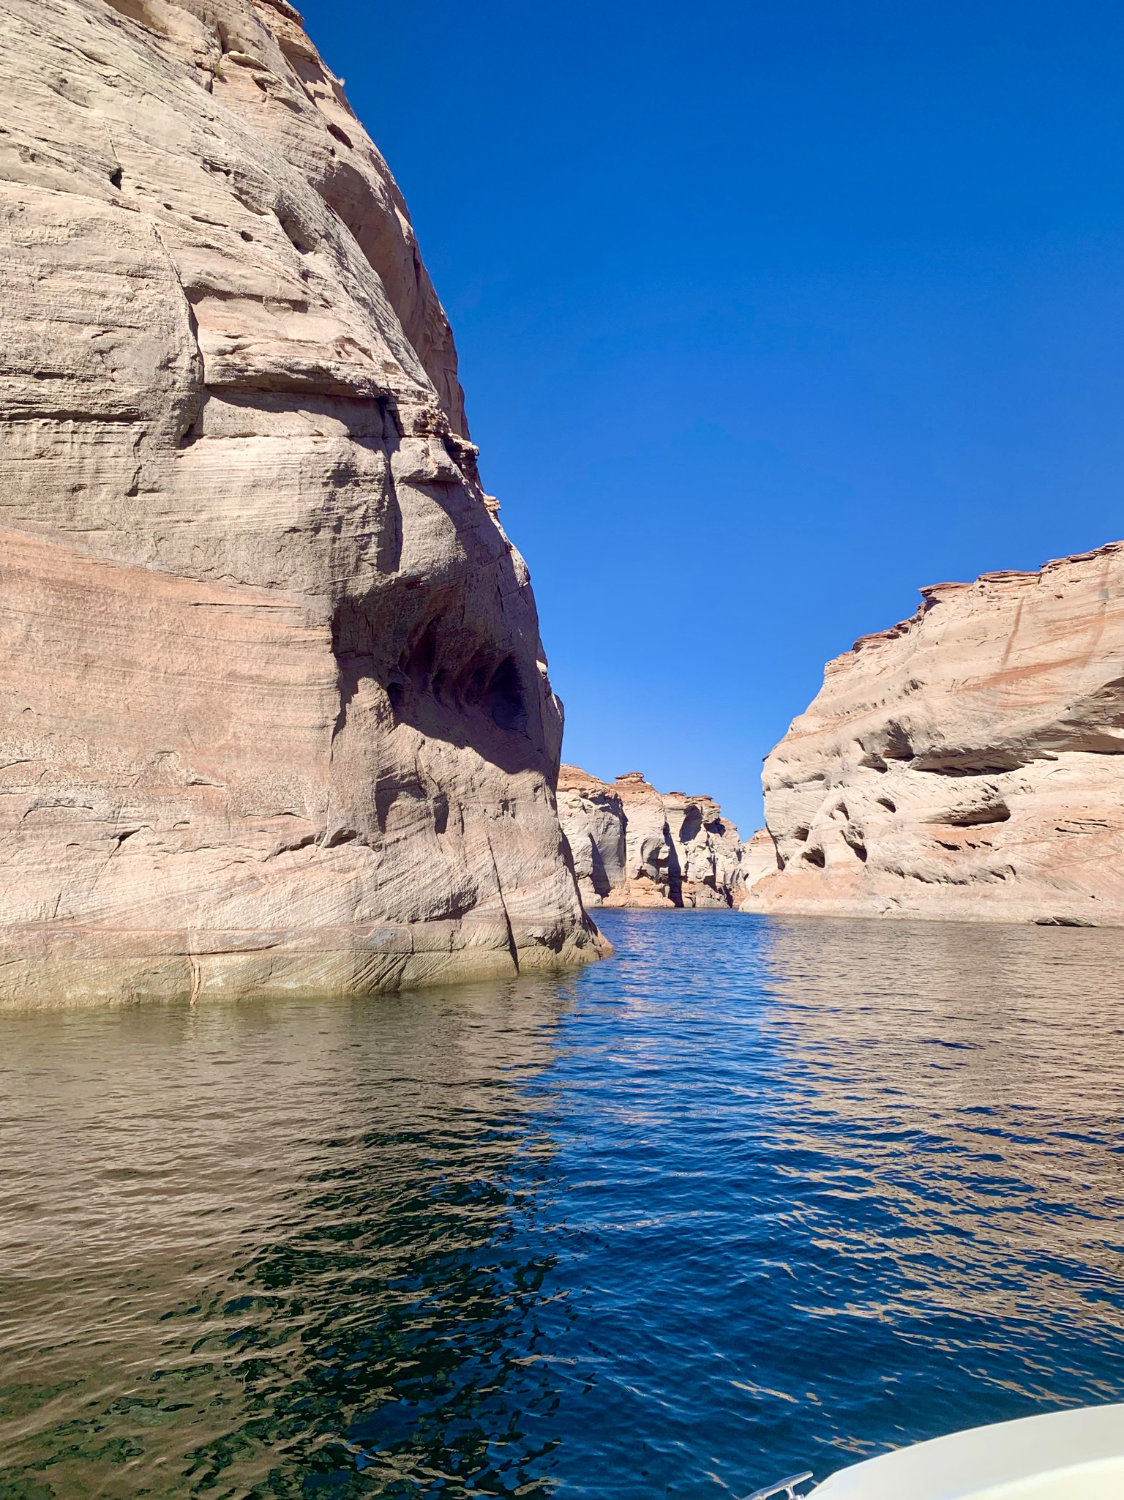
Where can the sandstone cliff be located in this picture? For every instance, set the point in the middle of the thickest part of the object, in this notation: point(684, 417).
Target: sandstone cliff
point(273, 708)
point(634, 846)
point(966, 764)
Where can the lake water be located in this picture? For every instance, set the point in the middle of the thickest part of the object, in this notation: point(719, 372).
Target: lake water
point(752, 1197)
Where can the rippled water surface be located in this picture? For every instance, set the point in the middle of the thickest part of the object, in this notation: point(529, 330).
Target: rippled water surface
point(751, 1196)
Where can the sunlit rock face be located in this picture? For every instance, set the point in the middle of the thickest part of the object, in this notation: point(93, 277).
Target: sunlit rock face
point(966, 764)
point(759, 858)
point(634, 846)
point(273, 707)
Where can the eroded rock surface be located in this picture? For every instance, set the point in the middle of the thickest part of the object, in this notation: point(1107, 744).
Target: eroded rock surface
point(273, 708)
point(759, 858)
point(967, 764)
point(634, 846)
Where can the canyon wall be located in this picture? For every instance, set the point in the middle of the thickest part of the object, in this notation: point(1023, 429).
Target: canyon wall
point(967, 764)
point(273, 709)
point(634, 846)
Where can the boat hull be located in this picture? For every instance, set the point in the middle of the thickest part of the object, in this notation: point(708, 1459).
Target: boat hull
point(1067, 1455)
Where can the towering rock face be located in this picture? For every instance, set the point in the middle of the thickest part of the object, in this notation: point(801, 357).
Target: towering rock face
point(634, 846)
point(967, 764)
point(273, 708)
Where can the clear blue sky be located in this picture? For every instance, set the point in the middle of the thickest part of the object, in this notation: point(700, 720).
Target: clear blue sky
point(768, 314)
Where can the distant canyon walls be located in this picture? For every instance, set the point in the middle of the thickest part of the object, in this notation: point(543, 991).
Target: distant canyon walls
point(274, 713)
point(634, 846)
point(967, 764)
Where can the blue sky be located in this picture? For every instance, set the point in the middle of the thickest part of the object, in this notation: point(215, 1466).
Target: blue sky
point(768, 314)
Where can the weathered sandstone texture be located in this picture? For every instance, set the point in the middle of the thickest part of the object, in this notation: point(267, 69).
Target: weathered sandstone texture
point(634, 846)
point(273, 708)
point(967, 764)
point(759, 858)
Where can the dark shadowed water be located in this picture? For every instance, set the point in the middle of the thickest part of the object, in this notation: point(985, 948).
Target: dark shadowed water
point(752, 1196)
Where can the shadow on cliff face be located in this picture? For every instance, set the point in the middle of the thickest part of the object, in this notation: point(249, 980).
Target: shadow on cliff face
point(454, 657)
point(599, 875)
point(674, 870)
point(466, 694)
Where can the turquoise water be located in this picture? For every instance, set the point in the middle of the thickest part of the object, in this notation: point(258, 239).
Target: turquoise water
point(753, 1196)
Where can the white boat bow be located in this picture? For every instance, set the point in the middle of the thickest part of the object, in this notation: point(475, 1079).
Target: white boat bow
point(1065, 1455)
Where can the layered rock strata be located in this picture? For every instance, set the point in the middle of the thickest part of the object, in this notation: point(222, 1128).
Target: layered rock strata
point(634, 846)
point(759, 858)
point(968, 763)
point(273, 707)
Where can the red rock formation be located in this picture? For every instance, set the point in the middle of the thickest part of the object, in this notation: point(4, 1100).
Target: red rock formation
point(273, 707)
point(634, 846)
point(967, 764)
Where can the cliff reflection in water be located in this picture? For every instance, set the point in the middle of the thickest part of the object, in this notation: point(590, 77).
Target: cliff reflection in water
point(756, 1193)
point(253, 1249)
